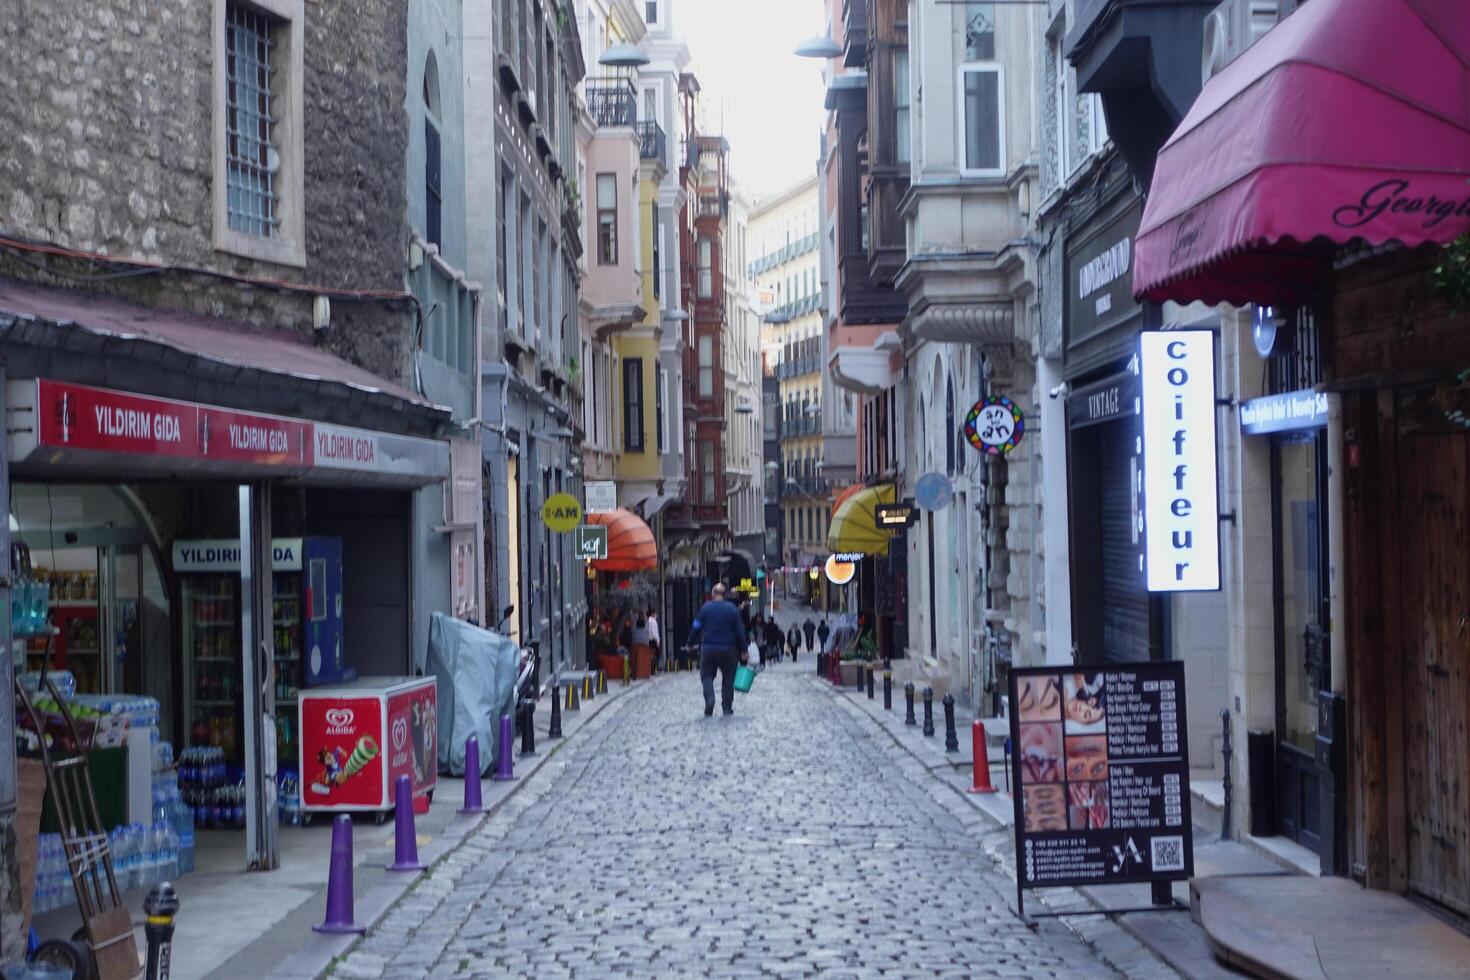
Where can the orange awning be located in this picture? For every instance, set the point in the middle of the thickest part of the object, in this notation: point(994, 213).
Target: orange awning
point(843, 494)
point(630, 543)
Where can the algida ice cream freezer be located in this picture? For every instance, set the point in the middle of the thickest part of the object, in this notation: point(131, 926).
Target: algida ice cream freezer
point(358, 737)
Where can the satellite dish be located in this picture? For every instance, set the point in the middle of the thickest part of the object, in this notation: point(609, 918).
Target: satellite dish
point(933, 491)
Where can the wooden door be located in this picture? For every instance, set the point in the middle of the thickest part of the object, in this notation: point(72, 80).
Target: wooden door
point(1434, 564)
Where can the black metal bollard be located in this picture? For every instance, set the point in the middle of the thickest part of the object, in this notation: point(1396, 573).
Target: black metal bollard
point(555, 730)
point(160, 907)
point(870, 682)
point(888, 690)
point(908, 698)
point(528, 728)
point(951, 737)
point(928, 712)
point(1226, 751)
point(861, 668)
point(821, 665)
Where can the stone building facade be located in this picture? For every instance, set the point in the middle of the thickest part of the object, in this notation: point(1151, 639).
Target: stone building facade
point(111, 149)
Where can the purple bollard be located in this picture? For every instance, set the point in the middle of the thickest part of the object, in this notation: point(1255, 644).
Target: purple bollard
point(405, 842)
point(473, 801)
point(505, 767)
point(339, 881)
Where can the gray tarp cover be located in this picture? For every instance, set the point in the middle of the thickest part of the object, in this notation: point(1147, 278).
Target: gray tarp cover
point(476, 671)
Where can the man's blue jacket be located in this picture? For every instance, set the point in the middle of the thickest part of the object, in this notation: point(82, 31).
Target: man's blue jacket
point(718, 627)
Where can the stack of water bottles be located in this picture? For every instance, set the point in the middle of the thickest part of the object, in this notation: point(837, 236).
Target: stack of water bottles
point(288, 796)
point(53, 877)
point(169, 806)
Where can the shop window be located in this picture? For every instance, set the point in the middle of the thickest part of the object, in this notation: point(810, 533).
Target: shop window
point(633, 404)
point(607, 219)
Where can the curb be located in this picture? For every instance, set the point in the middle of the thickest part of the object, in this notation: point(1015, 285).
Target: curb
point(322, 952)
point(1115, 939)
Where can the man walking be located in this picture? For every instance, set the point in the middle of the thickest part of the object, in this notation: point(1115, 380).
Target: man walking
point(810, 629)
point(823, 632)
point(793, 640)
point(773, 638)
point(655, 638)
point(720, 635)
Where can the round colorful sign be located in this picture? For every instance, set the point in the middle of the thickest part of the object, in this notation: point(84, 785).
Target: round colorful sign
point(562, 512)
point(995, 425)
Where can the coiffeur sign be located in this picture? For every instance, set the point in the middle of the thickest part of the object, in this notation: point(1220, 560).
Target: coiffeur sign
point(1181, 521)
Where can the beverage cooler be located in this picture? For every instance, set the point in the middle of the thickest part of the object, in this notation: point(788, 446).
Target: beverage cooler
point(306, 606)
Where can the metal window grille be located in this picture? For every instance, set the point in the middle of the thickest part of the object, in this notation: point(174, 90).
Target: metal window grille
point(252, 158)
point(1299, 365)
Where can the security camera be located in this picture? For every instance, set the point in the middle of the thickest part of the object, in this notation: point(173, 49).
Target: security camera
point(1059, 391)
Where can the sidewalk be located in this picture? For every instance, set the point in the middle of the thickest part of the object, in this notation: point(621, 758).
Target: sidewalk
point(237, 924)
point(1247, 903)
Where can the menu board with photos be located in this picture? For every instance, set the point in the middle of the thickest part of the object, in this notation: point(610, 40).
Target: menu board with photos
point(1101, 772)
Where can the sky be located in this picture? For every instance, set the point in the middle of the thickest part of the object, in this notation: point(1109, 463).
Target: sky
point(772, 99)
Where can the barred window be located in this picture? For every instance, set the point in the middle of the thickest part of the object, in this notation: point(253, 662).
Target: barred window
point(253, 159)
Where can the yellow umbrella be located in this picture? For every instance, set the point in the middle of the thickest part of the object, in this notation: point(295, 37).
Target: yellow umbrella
point(854, 525)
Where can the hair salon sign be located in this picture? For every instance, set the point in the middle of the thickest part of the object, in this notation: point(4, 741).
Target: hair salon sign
point(1180, 493)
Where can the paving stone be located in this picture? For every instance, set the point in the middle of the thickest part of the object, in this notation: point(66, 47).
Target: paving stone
point(793, 839)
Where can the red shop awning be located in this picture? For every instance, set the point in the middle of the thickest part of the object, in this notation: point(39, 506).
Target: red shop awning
point(1348, 121)
point(630, 543)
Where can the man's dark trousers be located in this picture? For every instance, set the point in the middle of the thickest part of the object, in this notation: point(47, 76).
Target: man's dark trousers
point(723, 661)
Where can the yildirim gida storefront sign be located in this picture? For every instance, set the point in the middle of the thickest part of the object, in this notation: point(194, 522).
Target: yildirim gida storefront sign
point(1100, 775)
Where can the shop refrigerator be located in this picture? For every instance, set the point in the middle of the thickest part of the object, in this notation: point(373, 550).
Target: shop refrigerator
point(306, 609)
point(359, 736)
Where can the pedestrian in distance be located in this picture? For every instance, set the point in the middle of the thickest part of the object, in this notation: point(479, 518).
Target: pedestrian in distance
point(823, 631)
point(810, 629)
point(774, 639)
point(793, 640)
point(720, 636)
point(758, 636)
point(655, 638)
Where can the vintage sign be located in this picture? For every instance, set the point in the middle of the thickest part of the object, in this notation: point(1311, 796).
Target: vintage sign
point(223, 555)
point(1181, 514)
point(561, 512)
point(896, 515)
point(1292, 412)
point(590, 542)
point(602, 496)
point(995, 425)
point(1106, 401)
point(1101, 771)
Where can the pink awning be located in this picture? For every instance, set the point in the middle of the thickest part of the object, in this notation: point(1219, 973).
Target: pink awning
point(1348, 121)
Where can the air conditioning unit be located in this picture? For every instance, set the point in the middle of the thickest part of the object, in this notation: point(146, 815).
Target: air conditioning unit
point(1234, 26)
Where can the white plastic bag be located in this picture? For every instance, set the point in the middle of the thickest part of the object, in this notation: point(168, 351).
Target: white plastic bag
point(753, 652)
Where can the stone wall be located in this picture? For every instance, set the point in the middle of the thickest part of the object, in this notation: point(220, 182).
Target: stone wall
point(108, 112)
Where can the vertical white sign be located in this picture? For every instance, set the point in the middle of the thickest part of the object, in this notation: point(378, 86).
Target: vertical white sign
point(1181, 521)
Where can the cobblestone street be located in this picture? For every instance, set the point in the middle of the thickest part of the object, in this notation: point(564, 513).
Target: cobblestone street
point(785, 841)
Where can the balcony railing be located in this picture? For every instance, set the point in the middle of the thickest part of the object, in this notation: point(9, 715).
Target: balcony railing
point(612, 101)
point(713, 205)
point(651, 140)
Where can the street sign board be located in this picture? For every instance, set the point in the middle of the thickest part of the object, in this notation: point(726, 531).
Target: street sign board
point(602, 497)
point(561, 512)
point(590, 541)
point(1101, 770)
point(896, 515)
point(995, 425)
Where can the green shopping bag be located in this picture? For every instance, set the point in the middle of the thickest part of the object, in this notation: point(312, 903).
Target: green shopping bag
point(744, 677)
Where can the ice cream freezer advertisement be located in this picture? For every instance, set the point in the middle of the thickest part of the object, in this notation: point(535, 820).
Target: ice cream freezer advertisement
point(357, 738)
point(1100, 770)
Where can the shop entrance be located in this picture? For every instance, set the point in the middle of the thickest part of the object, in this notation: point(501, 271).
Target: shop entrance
point(1303, 664)
point(1435, 594)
